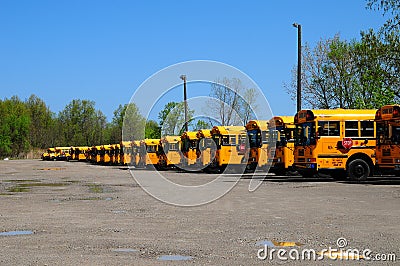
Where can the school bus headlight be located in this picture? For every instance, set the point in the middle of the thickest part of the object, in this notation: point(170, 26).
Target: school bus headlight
point(397, 160)
point(278, 160)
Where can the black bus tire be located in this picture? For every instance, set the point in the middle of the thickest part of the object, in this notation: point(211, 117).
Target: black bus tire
point(358, 170)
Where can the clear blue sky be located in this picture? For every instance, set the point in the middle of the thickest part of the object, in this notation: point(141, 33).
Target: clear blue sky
point(103, 50)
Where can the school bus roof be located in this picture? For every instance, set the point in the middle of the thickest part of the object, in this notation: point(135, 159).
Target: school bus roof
point(171, 139)
point(337, 114)
point(342, 112)
point(107, 147)
point(62, 148)
point(280, 120)
point(51, 149)
point(227, 130)
point(98, 147)
point(136, 142)
point(151, 141)
point(126, 143)
point(189, 135)
point(257, 124)
point(388, 112)
point(203, 133)
point(82, 148)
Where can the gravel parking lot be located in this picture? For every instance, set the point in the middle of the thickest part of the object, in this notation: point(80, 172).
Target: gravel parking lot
point(74, 213)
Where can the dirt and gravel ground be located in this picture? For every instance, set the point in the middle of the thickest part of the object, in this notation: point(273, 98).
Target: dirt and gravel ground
point(82, 214)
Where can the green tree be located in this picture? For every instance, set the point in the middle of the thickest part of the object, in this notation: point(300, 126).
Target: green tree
point(342, 74)
point(172, 118)
point(390, 8)
point(153, 130)
point(133, 126)
point(42, 123)
point(231, 102)
point(81, 124)
point(201, 124)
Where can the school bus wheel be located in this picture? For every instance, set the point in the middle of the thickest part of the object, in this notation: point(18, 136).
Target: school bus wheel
point(358, 170)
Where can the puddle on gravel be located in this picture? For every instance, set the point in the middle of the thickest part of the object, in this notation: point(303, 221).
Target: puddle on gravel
point(118, 211)
point(25, 187)
point(96, 188)
point(97, 198)
point(22, 180)
point(274, 243)
point(125, 250)
point(16, 233)
point(174, 257)
point(18, 189)
point(265, 243)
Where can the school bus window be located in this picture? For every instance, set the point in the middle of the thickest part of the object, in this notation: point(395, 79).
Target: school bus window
point(232, 140)
point(367, 128)
point(173, 147)
point(217, 140)
point(306, 134)
point(395, 134)
point(151, 148)
point(351, 128)
point(253, 138)
point(273, 135)
point(329, 128)
point(264, 135)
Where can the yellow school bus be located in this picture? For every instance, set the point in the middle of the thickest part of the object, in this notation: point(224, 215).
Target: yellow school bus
point(203, 149)
point(387, 120)
point(136, 151)
point(114, 154)
point(80, 153)
point(62, 153)
point(49, 155)
point(230, 149)
point(95, 154)
point(125, 152)
point(169, 155)
point(189, 148)
point(105, 154)
point(151, 149)
point(337, 142)
point(280, 156)
point(257, 133)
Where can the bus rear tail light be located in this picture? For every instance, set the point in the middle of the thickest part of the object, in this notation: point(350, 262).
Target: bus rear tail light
point(311, 160)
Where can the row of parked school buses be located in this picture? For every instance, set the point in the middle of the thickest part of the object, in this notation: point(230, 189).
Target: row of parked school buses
point(342, 143)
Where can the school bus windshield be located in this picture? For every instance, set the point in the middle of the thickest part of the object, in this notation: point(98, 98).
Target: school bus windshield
point(254, 138)
point(279, 135)
point(151, 148)
point(388, 133)
point(305, 134)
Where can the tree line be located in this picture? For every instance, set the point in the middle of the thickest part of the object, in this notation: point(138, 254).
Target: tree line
point(29, 124)
point(363, 73)
point(26, 125)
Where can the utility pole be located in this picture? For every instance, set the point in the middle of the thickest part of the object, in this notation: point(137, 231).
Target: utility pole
point(298, 26)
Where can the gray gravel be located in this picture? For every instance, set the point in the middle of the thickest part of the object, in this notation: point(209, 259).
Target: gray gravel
point(82, 214)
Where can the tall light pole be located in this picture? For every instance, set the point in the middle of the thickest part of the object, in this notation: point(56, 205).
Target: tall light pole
point(298, 26)
point(183, 77)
